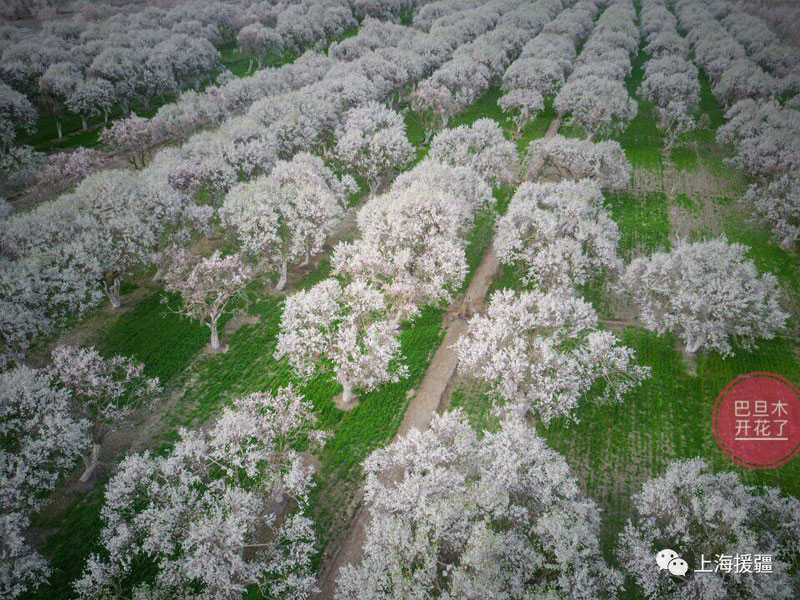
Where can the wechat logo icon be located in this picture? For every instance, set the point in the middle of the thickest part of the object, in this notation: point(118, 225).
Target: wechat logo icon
point(669, 560)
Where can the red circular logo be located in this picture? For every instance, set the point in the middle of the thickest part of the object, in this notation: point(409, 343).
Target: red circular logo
point(756, 420)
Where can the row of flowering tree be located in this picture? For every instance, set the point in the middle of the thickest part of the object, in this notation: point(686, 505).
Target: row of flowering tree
point(49, 418)
point(477, 66)
point(670, 78)
point(763, 131)
point(56, 258)
point(545, 62)
point(595, 96)
point(289, 209)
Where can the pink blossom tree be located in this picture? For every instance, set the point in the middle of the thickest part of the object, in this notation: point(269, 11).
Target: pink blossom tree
point(55, 86)
point(708, 293)
point(121, 229)
point(523, 106)
point(482, 147)
point(207, 285)
point(258, 42)
point(433, 106)
point(287, 216)
point(345, 329)
point(133, 137)
point(211, 515)
point(469, 516)
point(543, 352)
point(603, 162)
point(41, 442)
point(411, 247)
point(64, 169)
point(596, 104)
point(372, 142)
point(777, 203)
point(561, 234)
point(89, 97)
point(719, 515)
point(16, 111)
point(103, 392)
point(42, 438)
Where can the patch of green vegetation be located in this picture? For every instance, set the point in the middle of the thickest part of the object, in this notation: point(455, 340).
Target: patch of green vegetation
point(641, 139)
point(154, 334)
point(614, 448)
point(768, 255)
point(474, 401)
point(485, 107)
point(686, 203)
point(538, 127)
point(684, 157)
point(643, 221)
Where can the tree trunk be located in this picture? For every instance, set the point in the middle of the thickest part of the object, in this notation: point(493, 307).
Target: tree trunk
point(282, 281)
point(113, 293)
point(105, 115)
point(19, 359)
point(693, 345)
point(214, 336)
point(250, 66)
point(84, 123)
point(347, 393)
point(59, 129)
point(373, 187)
point(91, 461)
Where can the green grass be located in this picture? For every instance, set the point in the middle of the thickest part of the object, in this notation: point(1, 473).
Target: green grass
point(148, 329)
point(538, 127)
point(641, 139)
point(684, 157)
point(485, 107)
point(643, 221)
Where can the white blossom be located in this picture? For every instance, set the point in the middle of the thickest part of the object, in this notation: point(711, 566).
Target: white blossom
point(372, 142)
point(691, 510)
point(543, 352)
point(345, 329)
point(207, 514)
point(561, 234)
point(708, 293)
point(498, 516)
point(481, 147)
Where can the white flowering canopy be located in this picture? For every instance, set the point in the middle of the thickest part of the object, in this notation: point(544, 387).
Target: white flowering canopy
point(708, 293)
point(207, 514)
point(543, 353)
point(561, 234)
point(482, 147)
point(345, 329)
point(603, 162)
point(498, 516)
point(692, 510)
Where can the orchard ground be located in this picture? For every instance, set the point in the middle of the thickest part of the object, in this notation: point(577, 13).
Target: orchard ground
point(613, 449)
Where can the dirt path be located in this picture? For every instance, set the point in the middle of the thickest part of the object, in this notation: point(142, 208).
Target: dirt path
point(431, 393)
